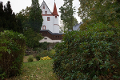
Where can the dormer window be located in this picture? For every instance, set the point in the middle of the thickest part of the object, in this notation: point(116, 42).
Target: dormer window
point(43, 7)
point(45, 12)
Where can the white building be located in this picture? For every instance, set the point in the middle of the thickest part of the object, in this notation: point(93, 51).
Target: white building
point(50, 19)
point(50, 26)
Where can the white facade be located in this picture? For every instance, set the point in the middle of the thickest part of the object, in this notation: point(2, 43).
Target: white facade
point(48, 40)
point(50, 20)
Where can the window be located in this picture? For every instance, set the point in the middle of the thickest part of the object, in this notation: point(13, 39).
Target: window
point(44, 27)
point(55, 16)
point(45, 12)
point(45, 38)
point(48, 18)
point(43, 7)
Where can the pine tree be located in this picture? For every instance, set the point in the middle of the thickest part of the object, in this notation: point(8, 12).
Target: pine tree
point(9, 16)
point(1, 16)
point(10, 22)
point(67, 11)
point(35, 19)
point(1, 9)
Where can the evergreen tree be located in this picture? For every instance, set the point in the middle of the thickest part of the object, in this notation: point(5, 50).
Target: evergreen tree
point(1, 16)
point(9, 16)
point(11, 23)
point(67, 11)
point(35, 18)
point(32, 37)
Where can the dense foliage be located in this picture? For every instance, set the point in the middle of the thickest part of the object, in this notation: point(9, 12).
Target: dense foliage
point(35, 18)
point(32, 38)
point(8, 21)
point(12, 49)
point(67, 10)
point(91, 54)
point(94, 11)
point(45, 53)
point(30, 59)
point(23, 15)
point(31, 20)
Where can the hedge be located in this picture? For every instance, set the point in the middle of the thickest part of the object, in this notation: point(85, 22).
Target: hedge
point(91, 54)
point(12, 49)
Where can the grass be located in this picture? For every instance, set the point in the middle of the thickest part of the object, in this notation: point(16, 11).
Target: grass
point(37, 70)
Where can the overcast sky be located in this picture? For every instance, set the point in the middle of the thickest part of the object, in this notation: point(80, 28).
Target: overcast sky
point(18, 5)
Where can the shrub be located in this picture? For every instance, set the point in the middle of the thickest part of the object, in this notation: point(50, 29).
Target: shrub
point(45, 58)
point(51, 53)
point(43, 53)
point(30, 59)
point(92, 54)
point(12, 49)
point(37, 57)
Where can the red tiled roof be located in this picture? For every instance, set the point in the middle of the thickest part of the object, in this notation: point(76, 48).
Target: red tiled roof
point(55, 13)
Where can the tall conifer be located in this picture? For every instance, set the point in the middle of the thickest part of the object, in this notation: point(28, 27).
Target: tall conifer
point(35, 18)
point(1, 16)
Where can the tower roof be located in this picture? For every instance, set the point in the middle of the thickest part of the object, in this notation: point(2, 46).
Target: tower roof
point(55, 13)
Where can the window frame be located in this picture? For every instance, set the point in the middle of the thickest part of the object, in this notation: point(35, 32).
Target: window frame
point(45, 12)
point(48, 18)
point(43, 6)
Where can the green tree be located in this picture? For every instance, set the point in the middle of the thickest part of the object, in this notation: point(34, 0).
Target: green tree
point(106, 11)
point(75, 21)
point(32, 38)
point(1, 16)
point(8, 21)
point(35, 18)
point(23, 16)
point(67, 11)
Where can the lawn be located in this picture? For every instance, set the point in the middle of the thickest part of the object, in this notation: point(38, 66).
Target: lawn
point(37, 70)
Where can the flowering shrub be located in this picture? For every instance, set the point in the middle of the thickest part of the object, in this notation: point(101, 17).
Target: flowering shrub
point(45, 58)
point(92, 54)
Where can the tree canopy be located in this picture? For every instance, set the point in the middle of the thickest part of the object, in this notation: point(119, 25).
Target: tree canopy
point(31, 19)
point(107, 11)
point(8, 21)
point(35, 18)
point(67, 11)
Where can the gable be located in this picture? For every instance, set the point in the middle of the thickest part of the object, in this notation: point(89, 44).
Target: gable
point(45, 9)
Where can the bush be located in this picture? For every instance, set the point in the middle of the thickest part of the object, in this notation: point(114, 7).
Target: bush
point(30, 59)
point(45, 58)
point(12, 49)
point(51, 53)
point(92, 54)
point(37, 57)
point(44, 53)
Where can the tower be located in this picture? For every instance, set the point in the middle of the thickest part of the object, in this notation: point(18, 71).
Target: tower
point(55, 14)
point(50, 19)
point(50, 26)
